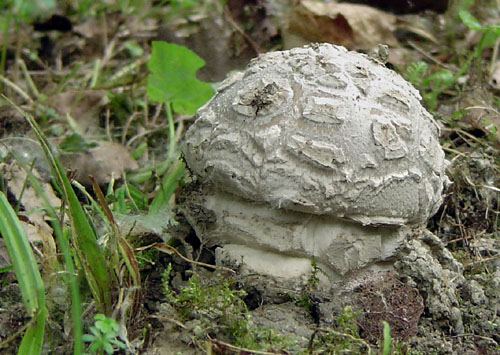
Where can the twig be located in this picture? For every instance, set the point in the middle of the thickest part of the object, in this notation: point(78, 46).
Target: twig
point(428, 56)
point(168, 319)
point(18, 332)
point(169, 250)
point(476, 336)
point(329, 330)
point(108, 128)
point(473, 263)
point(142, 134)
point(239, 350)
point(155, 115)
point(127, 126)
point(250, 41)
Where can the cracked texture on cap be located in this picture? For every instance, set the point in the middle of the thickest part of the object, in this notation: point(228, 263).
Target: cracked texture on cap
point(325, 131)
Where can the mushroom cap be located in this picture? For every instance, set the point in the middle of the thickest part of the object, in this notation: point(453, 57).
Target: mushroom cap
point(321, 130)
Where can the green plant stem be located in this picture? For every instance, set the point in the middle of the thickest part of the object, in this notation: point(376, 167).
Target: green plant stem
point(387, 339)
point(171, 131)
point(168, 185)
point(5, 37)
point(95, 74)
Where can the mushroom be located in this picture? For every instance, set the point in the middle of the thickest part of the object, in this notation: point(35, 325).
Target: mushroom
point(315, 153)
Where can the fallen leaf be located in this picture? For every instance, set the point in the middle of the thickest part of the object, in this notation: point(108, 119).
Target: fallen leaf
point(406, 7)
point(146, 224)
point(422, 26)
point(30, 201)
point(4, 255)
point(494, 79)
point(481, 113)
point(107, 160)
point(83, 106)
point(350, 25)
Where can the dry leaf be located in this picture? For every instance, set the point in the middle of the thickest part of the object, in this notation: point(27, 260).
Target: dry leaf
point(424, 26)
point(406, 7)
point(481, 113)
point(350, 25)
point(83, 107)
point(30, 201)
point(494, 79)
point(4, 255)
point(108, 159)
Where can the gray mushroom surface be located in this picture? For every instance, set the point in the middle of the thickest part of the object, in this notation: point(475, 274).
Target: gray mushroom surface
point(313, 153)
point(325, 131)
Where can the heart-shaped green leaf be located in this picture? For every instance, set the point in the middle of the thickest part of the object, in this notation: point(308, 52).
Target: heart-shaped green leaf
point(173, 78)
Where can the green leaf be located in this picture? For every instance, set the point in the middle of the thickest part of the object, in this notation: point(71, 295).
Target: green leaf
point(495, 28)
point(415, 72)
point(489, 38)
point(88, 338)
point(470, 21)
point(108, 348)
point(134, 49)
point(439, 78)
point(173, 78)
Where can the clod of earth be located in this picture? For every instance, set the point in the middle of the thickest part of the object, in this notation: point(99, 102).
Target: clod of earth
point(313, 153)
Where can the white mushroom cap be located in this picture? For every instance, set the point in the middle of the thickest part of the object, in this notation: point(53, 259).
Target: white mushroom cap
point(325, 131)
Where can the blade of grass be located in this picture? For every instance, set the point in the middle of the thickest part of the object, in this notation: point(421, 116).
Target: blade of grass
point(21, 255)
point(70, 276)
point(29, 278)
point(168, 185)
point(125, 249)
point(33, 338)
point(84, 239)
point(27, 77)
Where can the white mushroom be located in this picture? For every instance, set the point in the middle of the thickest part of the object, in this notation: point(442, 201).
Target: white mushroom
point(315, 152)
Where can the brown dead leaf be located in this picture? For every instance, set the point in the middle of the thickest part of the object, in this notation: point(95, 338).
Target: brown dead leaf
point(107, 160)
point(406, 7)
point(350, 25)
point(11, 121)
point(16, 178)
point(424, 26)
point(494, 79)
point(83, 107)
point(481, 113)
point(214, 36)
point(4, 255)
